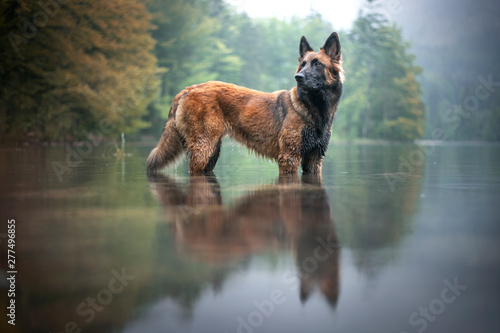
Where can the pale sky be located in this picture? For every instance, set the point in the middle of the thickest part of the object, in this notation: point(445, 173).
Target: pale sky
point(341, 13)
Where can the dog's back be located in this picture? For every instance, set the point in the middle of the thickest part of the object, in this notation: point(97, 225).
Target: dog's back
point(288, 126)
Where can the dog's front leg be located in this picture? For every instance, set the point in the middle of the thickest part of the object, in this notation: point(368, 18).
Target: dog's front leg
point(288, 162)
point(312, 164)
point(290, 146)
point(311, 169)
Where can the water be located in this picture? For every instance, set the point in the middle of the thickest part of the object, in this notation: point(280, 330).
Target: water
point(394, 238)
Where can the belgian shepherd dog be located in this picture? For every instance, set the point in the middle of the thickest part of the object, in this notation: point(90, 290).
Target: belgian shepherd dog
point(292, 127)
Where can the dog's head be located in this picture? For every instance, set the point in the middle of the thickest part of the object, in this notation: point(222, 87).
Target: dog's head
point(320, 70)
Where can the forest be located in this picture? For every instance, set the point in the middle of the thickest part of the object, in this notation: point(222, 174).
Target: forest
point(69, 69)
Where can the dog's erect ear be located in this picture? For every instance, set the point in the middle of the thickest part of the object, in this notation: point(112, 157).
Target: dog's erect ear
point(332, 47)
point(304, 47)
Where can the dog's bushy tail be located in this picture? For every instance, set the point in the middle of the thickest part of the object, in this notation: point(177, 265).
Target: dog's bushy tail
point(169, 148)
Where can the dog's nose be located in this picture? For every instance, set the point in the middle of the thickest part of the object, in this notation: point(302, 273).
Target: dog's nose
point(299, 77)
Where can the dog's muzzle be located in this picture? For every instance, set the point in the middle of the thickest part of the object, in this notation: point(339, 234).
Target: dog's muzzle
point(300, 78)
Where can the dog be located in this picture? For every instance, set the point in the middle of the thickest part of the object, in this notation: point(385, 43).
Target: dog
point(292, 127)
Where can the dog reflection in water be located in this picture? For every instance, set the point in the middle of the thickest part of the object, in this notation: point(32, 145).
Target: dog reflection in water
point(289, 215)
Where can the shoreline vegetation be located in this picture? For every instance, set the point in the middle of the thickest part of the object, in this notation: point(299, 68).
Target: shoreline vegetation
point(76, 71)
point(150, 141)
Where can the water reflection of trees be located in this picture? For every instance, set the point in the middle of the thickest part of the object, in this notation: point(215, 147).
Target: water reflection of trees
point(73, 234)
point(373, 218)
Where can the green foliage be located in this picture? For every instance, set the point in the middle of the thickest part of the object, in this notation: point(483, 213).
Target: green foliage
point(73, 65)
point(188, 44)
point(381, 93)
point(459, 50)
point(119, 63)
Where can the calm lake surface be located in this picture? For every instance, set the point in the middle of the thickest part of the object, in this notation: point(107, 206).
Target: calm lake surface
point(394, 238)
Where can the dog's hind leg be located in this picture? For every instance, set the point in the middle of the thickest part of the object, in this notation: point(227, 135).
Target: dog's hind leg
point(201, 123)
point(213, 159)
point(204, 154)
point(203, 143)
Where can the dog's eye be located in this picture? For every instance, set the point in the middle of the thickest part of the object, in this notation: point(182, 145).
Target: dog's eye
point(303, 63)
point(318, 64)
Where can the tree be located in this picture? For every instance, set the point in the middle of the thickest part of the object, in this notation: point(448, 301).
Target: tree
point(381, 93)
point(189, 47)
point(67, 68)
point(459, 50)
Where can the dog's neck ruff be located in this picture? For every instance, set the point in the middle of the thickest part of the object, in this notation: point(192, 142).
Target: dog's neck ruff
point(299, 106)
